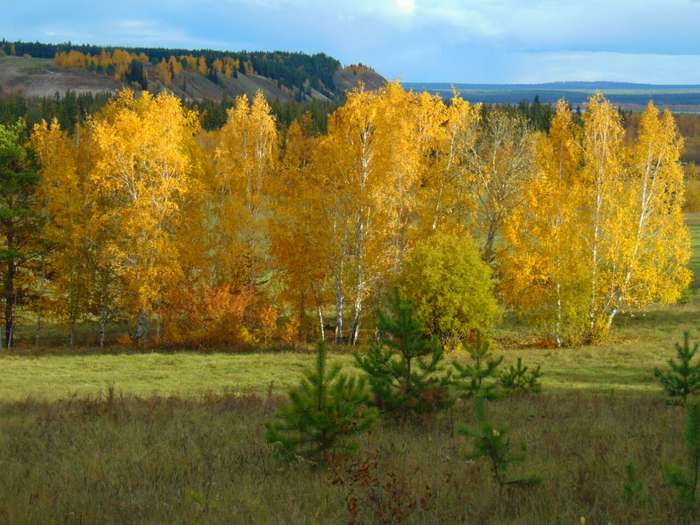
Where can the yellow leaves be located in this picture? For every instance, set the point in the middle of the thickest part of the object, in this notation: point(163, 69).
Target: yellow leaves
point(144, 171)
point(602, 231)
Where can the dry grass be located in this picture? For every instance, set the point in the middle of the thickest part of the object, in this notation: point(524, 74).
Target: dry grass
point(69, 454)
point(166, 460)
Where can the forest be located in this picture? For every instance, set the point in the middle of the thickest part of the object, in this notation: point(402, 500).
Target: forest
point(290, 69)
point(251, 233)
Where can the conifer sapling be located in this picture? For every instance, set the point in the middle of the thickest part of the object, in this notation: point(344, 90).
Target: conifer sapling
point(683, 378)
point(405, 368)
point(492, 443)
point(478, 377)
point(324, 412)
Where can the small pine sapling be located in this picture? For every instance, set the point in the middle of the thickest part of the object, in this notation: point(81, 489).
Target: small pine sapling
point(685, 480)
point(520, 379)
point(683, 378)
point(479, 377)
point(405, 368)
point(633, 486)
point(492, 443)
point(324, 412)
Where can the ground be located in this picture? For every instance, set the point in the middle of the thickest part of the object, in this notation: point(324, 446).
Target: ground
point(73, 450)
point(640, 342)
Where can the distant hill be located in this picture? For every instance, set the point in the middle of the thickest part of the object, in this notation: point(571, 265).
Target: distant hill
point(626, 94)
point(37, 69)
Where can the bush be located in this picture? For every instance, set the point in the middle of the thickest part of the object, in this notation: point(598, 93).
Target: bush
point(450, 287)
point(325, 410)
point(403, 365)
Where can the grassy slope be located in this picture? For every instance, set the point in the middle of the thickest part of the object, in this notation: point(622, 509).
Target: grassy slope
point(625, 363)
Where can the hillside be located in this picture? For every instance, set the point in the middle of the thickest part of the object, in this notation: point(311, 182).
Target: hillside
point(44, 69)
point(37, 77)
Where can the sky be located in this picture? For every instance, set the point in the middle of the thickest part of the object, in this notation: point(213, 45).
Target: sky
point(470, 41)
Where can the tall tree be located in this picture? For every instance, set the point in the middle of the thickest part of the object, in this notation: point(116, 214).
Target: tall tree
point(143, 173)
point(602, 231)
point(244, 161)
point(19, 224)
point(499, 164)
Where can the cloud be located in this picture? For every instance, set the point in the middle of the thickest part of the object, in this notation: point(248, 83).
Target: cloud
point(439, 40)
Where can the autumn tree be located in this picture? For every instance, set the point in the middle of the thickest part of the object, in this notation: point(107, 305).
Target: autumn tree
point(244, 161)
point(19, 224)
point(65, 202)
point(543, 270)
point(602, 231)
point(375, 157)
point(300, 225)
point(143, 173)
point(499, 163)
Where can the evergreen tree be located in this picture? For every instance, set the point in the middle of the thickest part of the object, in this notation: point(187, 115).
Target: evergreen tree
point(685, 480)
point(520, 379)
point(683, 378)
point(479, 377)
point(493, 443)
point(323, 412)
point(405, 368)
point(19, 224)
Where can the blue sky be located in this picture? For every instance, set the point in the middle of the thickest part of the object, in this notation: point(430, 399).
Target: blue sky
point(413, 40)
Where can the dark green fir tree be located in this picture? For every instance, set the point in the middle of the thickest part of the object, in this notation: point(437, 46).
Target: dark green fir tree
point(324, 413)
point(405, 368)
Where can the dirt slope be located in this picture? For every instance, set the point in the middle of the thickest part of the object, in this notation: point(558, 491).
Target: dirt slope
point(37, 77)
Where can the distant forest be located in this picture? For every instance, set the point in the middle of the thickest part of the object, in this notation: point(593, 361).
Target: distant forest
point(72, 109)
point(292, 70)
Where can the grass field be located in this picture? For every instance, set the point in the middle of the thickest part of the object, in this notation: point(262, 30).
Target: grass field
point(179, 439)
point(625, 363)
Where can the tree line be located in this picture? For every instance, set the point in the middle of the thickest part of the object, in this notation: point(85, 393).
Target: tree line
point(249, 233)
point(292, 70)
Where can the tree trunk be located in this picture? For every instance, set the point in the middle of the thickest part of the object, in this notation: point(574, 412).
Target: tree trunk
point(339, 305)
point(72, 333)
point(9, 291)
point(103, 322)
point(320, 322)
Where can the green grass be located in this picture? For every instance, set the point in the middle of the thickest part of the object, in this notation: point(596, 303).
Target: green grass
point(625, 363)
point(180, 439)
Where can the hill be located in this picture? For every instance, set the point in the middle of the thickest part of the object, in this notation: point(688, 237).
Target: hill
point(36, 69)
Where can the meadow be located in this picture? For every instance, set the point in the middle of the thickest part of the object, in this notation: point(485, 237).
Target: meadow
point(177, 437)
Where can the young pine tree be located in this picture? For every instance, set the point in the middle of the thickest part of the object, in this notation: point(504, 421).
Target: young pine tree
point(325, 411)
point(521, 379)
point(493, 443)
point(683, 378)
point(404, 366)
point(479, 377)
point(686, 480)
